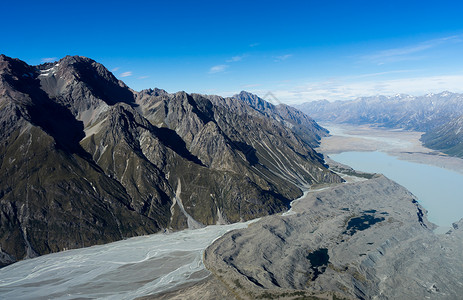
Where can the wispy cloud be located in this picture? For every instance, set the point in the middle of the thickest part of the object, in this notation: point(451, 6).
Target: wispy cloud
point(48, 59)
point(217, 69)
point(254, 45)
point(143, 77)
point(223, 67)
point(115, 69)
point(377, 74)
point(410, 52)
point(282, 57)
point(236, 58)
point(126, 74)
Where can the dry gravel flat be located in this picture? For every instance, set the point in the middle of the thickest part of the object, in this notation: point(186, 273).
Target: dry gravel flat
point(404, 144)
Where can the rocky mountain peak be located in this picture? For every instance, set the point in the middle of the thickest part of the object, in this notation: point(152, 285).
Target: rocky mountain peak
point(59, 79)
point(85, 160)
point(254, 101)
point(153, 92)
point(13, 70)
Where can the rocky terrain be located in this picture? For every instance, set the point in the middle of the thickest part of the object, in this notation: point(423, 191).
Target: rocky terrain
point(447, 138)
point(438, 115)
point(85, 160)
point(364, 240)
point(300, 123)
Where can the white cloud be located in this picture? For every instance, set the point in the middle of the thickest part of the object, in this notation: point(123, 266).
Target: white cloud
point(48, 59)
point(254, 45)
point(236, 58)
point(115, 69)
point(409, 52)
point(143, 77)
point(282, 57)
point(217, 69)
point(339, 89)
point(126, 74)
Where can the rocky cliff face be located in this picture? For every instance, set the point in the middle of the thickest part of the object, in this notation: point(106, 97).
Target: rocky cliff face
point(86, 160)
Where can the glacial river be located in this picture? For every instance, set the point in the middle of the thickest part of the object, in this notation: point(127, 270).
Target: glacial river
point(125, 269)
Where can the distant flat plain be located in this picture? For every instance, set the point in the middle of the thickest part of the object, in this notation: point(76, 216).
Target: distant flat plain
point(405, 145)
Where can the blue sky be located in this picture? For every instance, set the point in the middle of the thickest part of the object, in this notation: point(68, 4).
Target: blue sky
point(298, 50)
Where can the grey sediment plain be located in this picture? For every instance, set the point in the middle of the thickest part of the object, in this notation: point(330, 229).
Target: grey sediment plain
point(404, 144)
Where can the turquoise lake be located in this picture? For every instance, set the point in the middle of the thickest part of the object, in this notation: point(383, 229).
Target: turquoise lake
point(438, 190)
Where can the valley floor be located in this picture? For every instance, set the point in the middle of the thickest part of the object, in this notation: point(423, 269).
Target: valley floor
point(277, 251)
point(403, 144)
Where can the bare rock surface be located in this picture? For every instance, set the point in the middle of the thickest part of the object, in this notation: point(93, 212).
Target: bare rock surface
point(85, 160)
point(361, 240)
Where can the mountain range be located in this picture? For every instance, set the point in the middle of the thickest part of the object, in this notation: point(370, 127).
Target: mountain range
point(439, 116)
point(86, 160)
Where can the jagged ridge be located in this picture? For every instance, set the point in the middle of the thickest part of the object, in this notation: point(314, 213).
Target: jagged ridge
point(87, 160)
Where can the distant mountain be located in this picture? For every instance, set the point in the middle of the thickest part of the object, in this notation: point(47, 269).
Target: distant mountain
point(447, 138)
point(421, 113)
point(438, 115)
point(86, 160)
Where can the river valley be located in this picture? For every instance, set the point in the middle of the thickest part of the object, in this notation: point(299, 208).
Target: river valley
point(161, 263)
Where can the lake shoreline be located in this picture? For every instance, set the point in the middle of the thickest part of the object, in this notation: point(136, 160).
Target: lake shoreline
point(402, 144)
point(405, 145)
point(211, 284)
point(375, 237)
point(400, 155)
